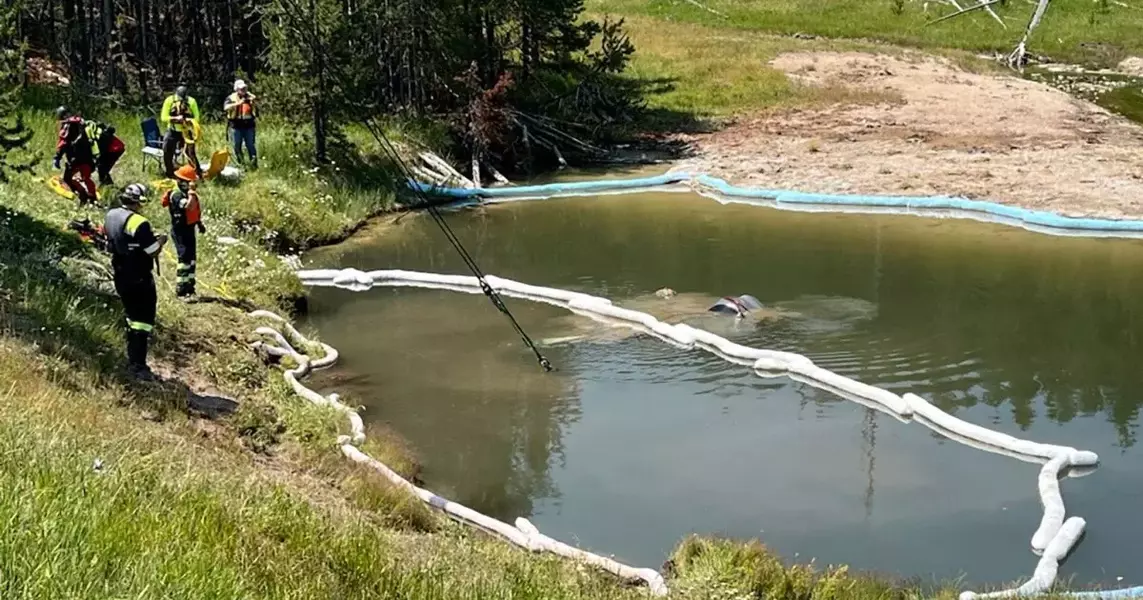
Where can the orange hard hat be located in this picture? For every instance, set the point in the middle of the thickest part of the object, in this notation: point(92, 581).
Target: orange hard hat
point(186, 173)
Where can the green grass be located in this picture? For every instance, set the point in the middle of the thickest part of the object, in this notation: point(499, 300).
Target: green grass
point(171, 514)
point(702, 73)
point(726, 569)
point(712, 72)
point(750, 570)
point(1095, 33)
point(253, 504)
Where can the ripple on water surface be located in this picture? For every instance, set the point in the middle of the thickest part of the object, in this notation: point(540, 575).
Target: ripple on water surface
point(632, 443)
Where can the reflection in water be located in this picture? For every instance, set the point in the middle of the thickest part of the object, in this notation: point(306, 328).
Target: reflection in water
point(632, 443)
point(492, 413)
point(869, 445)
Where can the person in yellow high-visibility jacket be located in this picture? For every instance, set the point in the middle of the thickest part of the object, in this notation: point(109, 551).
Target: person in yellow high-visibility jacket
point(181, 116)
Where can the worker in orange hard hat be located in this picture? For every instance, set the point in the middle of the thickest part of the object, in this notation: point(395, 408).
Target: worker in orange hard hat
point(186, 217)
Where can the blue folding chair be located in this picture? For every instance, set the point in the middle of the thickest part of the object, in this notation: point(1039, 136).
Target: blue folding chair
point(153, 143)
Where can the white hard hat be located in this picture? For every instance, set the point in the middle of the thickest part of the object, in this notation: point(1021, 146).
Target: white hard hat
point(135, 193)
point(239, 84)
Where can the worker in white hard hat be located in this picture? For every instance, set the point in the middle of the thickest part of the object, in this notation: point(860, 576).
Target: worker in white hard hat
point(241, 114)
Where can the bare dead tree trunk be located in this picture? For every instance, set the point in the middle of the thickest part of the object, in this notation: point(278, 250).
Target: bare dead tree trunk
point(319, 99)
point(476, 167)
point(231, 51)
point(108, 14)
point(1018, 57)
point(142, 43)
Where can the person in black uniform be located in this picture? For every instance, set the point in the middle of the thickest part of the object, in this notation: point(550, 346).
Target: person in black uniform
point(134, 248)
point(186, 217)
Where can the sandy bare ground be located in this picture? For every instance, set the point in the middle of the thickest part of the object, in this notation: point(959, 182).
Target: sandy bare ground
point(949, 132)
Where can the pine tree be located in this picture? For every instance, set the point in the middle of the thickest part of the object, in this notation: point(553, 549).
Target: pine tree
point(14, 135)
point(307, 39)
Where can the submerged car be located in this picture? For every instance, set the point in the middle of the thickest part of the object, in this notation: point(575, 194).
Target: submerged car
point(738, 306)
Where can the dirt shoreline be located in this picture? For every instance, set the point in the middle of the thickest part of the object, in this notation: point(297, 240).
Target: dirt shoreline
point(947, 132)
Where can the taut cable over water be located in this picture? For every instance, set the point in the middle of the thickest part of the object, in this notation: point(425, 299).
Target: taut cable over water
point(1053, 540)
point(387, 146)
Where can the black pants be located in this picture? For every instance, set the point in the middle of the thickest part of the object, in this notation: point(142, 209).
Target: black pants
point(171, 143)
point(139, 298)
point(186, 245)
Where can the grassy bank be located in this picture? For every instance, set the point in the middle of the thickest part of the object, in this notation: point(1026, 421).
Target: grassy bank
point(102, 504)
point(216, 482)
point(1094, 33)
point(701, 64)
point(717, 71)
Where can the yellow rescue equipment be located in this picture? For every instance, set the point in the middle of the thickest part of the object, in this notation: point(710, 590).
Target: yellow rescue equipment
point(55, 182)
point(218, 162)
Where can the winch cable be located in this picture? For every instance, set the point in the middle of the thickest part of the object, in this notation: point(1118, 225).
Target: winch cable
point(470, 262)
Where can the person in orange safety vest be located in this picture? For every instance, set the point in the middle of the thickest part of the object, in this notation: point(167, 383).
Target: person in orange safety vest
point(186, 218)
point(241, 114)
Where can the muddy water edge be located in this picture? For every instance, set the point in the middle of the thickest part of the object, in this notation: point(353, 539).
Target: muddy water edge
point(1119, 93)
point(631, 444)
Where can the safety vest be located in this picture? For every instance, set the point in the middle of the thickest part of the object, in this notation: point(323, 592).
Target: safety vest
point(127, 252)
point(181, 109)
point(173, 107)
point(241, 111)
point(191, 214)
point(94, 131)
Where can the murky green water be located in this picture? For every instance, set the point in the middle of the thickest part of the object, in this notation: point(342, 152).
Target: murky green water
point(633, 444)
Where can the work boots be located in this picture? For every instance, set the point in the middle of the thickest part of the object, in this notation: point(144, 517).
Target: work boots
point(137, 356)
point(185, 290)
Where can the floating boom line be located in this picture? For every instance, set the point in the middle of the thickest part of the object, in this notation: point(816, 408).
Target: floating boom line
point(1053, 540)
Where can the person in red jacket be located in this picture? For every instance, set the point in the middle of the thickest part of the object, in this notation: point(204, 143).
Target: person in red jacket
point(75, 145)
point(107, 146)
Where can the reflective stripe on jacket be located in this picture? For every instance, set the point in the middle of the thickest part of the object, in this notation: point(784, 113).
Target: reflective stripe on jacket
point(132, 242)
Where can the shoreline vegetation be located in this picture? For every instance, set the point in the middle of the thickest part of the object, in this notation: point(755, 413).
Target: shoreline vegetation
point(217, 482)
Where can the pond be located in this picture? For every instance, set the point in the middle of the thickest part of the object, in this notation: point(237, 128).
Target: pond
point(632, 444)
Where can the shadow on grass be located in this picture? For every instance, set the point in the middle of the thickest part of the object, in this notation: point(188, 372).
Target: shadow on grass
point(56, 298)
point(660, 121)
point(46, 306)
point(196, 403)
